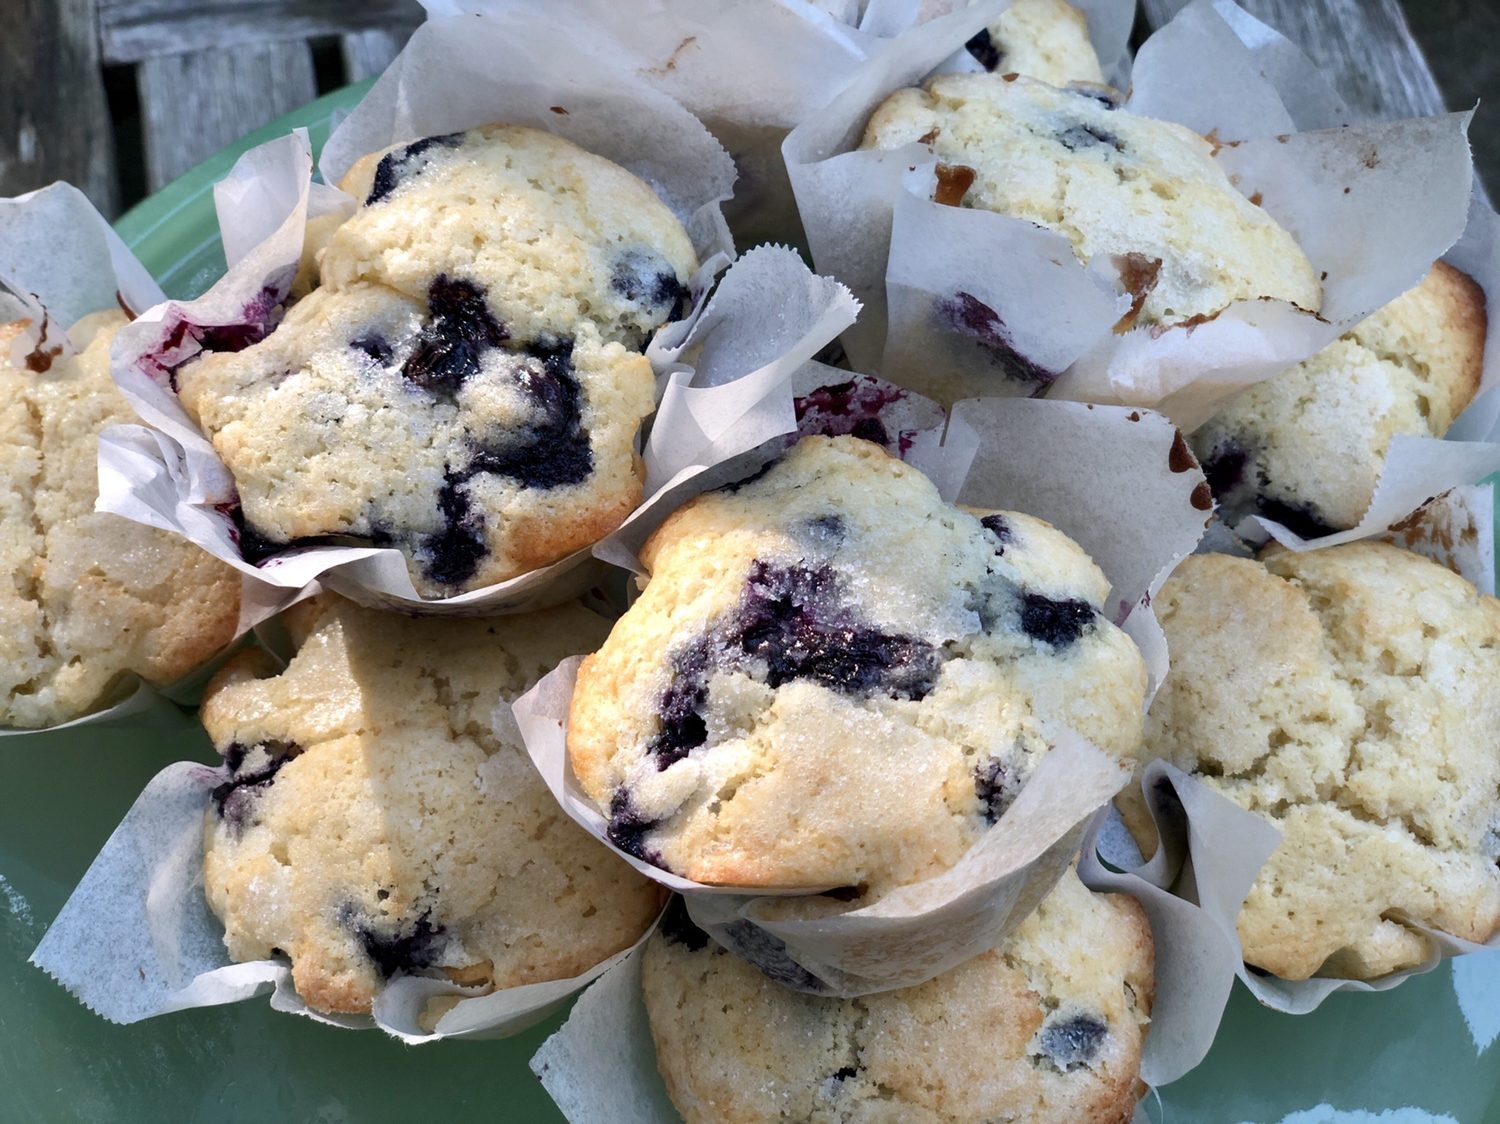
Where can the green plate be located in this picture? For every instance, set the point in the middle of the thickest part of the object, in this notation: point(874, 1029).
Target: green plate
point(62, 794)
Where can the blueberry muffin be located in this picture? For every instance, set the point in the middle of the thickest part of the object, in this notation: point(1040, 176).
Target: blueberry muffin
point(1351, 696)
point(1305, 448)
point(375, 822)
point(1043, 39)
point(465, 384)
point(93, 599)
point(1048, 1027)
point(835, 679)
point(1146, 192)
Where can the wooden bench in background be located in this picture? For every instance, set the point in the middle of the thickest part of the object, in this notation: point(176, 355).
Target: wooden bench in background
point(97, 91)
point(205, 73)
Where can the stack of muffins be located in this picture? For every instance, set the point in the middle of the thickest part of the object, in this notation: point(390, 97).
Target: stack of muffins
point(833, 682)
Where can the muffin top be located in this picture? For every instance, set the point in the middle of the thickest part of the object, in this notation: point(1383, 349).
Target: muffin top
point(1306, 447)
point(1110, 182)
point(374, 822)
point(1043, 39)
point(464, 384)
point(1351, 696)
point(92, 598)
point(1047, 1028)
point(834, 678)
point(553, 235)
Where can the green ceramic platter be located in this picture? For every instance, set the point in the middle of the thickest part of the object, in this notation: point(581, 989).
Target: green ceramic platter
point(1419, 1053)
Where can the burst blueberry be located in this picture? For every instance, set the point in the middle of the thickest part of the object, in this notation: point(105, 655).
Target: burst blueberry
point(1070, 1042)
point(1056, 622)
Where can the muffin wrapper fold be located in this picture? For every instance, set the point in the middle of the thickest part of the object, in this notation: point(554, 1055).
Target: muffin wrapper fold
point(870, 221)
point(1211, 855)
point(166, 473)
point(748, 69)
point(915, 932)
point(59, 262)
point(136, 937)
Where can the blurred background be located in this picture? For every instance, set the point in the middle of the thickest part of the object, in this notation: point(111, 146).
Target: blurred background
point(122, 96)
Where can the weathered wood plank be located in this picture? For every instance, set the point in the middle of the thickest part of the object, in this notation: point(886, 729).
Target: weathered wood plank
point(194, 105)
point(1369, 51)
point(54, 123)
point(133, 30)
point(367, 53)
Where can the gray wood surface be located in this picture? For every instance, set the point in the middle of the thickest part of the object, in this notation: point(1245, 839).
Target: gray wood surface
point(367, 53)
point(193, 105)
point(54, 122)
point(1371, 55)
point(134, 30)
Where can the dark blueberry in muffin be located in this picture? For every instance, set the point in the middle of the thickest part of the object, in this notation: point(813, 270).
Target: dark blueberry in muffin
point(376, 346)
point(1225, 467)
point(1084, 135)
point(628, 828)
point(790, 625)
point(554, 452)
point(399, 163)
point(995, 786)
point(452, 343)
point(971, 317)
point(791, 619)
point(829, 528)
point(1000, 529)
point(644, 278)
point(1070, 1042)
point(682, 726)
point(984, 50)
point(452, 555)
point(233, 799)
point(403, 948)
point(1058, 623)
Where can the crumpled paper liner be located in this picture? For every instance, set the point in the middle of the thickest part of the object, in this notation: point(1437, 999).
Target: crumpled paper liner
point(60, 261)
point(917, 931)
point(167, 474)
point(748, 69)
point(136, 937)
point(1210, 855)
point(870, 221)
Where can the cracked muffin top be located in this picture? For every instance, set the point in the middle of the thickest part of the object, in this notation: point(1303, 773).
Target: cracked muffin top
point(375, 822)
point(92, 599)
point(1351, 696)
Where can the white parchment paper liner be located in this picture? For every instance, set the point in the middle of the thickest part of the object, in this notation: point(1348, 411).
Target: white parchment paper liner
point(136, 937)
point(748, 69)
point(918, 931)
point(166, 473)
point(60, 261)
point(870, 221)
